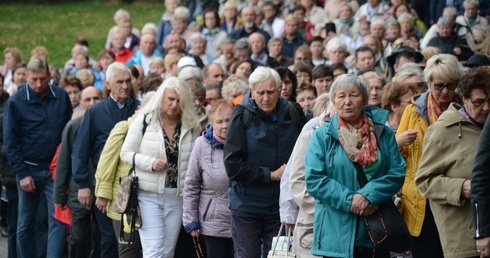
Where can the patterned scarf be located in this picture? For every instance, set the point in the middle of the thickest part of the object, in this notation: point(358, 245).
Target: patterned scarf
point(359, 144)
point(433, 111)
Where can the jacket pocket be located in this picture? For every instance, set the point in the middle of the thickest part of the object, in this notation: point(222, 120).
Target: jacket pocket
point(205, 215)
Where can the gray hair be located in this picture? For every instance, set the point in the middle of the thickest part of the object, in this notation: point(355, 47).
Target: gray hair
point(241, 44)
point(476, 3)
point(406, 16)
point(349, 80)
point(79, 49)
point(261, 74)
point(149, 26)
point(182, 11)
point(408, 70)
point(322, 102)
point(449, 10)
point(227, 41)
point(336, 43)
point(273, 40)
point(37, 65)
point(232, 84)
point(121, 12)
point(189, 72)
point(377, 22)
point(116, 68)
point(196, 36)
point(147, 98)
point(257, 34)
point(445, 21)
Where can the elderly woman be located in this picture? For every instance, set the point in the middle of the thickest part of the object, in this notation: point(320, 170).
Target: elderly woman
point(335, 51)
point(471, 19)
point(418, 24)
point(395, 98)
point(376, 82)
point(407, 24)
point(442, 74)
point(198, 47)
point(73, 87)
point(212, 33)
point(359, 135)
point(206, 186)
point(449, 42)
point(161, 157)
point(233, 87)
point(445, 180)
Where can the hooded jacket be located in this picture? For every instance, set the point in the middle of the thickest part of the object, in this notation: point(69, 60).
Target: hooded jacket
point(206, 189)
point(331, 179)
point(255, 148)
point(440, 178)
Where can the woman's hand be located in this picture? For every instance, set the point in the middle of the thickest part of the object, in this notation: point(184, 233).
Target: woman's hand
point(159, 164)
point(101, 204)
point(194, 233)
point(406, 138)
point(359, 205)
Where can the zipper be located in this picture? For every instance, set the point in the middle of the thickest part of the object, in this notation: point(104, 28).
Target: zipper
point(477, 230)
point(207, 209)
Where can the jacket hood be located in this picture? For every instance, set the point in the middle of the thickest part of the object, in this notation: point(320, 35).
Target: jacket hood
point(208, 136)
point(249, 104)
point(453, 116)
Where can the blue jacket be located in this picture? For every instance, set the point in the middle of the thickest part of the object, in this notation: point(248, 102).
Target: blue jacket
point(241, 33)
point(97, 123)
point(98, 78)
point(32, 128)
point(290, 46)
point(255, 148)
point(331, 179)
point(136, 59)
point(164, 28)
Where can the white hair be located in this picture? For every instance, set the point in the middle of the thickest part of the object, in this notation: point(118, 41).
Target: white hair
point(406, 16)
point(336, 43)
point(450, 10)
point(475, 3)
point(188, 113)
point(261, 74)
point(114, 69)
point(149, 26)
point(189, 72)
point(234, 84)
point(182, 11)
point(79, 49)
point(377, 22)
point(121, 12)
point(196, 36)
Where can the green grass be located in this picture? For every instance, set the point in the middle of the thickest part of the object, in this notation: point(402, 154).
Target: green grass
point(57, 26)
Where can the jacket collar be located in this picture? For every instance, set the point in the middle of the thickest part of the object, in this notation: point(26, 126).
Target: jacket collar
point(453, 116)
point(31, 94)
point(281, 108)
point(208, 136)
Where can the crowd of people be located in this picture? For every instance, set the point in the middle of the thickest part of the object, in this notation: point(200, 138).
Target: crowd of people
point(240, 116)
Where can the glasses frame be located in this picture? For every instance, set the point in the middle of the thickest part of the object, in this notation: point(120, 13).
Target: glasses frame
point(487, 100)
point(441, 86)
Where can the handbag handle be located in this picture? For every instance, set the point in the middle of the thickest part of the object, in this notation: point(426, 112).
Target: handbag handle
point(361, 177)
point(132, 172)
point(288, 235)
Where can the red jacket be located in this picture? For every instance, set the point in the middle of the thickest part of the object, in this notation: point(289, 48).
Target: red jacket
point(63, 216)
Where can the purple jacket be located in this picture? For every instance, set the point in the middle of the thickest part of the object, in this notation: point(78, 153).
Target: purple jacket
point(206, 189)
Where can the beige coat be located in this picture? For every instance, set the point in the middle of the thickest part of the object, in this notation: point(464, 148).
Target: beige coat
point(449, 149)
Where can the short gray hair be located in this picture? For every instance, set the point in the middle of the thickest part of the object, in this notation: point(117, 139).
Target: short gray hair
point(445, 21)
point(476, 3)
point(377, 22)
point(241, 44)
point(273, 40)
point(336, 43)
point(406, 16)
point(227, 41)
point(349, 80)
point(450, 10)
point(189, 72)
point(408, 70)
point(114, 69)
point(182, 11)
point(232, 84)
point(37, 65)
point(261, 74)
point(121, 12)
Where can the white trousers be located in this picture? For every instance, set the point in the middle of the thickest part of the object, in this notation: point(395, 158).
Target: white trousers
point(161, 215)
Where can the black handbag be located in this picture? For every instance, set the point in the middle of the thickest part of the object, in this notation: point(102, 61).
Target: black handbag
point(130, 215)
point(386, 227)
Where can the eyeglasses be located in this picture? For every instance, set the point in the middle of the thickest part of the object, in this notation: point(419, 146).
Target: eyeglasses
point(441, 86)
point(420, 85)
point(479, 102)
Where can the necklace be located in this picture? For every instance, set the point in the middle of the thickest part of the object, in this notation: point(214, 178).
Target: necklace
point(414, 153)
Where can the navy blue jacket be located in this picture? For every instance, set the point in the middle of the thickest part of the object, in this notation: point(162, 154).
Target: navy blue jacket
point(241, 33)
point(97, 123)
point(288, 47)
point(32, 128)
point(255, 148)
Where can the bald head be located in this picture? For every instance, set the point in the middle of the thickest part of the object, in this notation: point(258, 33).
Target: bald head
point(257, 43)
point(213, 74)
point(148, 44)
point(90, 97)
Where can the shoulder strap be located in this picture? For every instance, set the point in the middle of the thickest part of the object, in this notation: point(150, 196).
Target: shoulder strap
point(293, 113)
point(361, 177)
point(145, 125)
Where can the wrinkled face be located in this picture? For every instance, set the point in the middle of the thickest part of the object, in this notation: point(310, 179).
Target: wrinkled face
point(120, 86)
point(378, 30)
point(393, 32)
point(257, 44)
point(275, 49)
point(471, 10)
point(300, 56)
point(170, 5)
point(148, 45)
point(198, 47)
point(74, 94)
point(444, 31)
point(287, 88)
point(266, 95)
point(10, 60)
point(365, 61)
point(418, 82)
point(80, 61)
point(291, 28)
point(171, 103)
point(345, 12)
point(248, 17)
point(376, 87)
point(221, 120)
point(227, 51)
point(306, 99)
point(242, 54)
point(90, 96)
point(316, 48)
point(157, 68)
point(337, 56)
point(20, 76)
point(244, 70)
point(478, 105)
point(406, 26)
point(348, 103)
point(444, 96)
point(215, 75)
point(370, 42)
point(210, 20)
point(105, 61)
point(178, 26)
point(38, 81)
point(303, 77)
point(118, 41)
point(323, 84)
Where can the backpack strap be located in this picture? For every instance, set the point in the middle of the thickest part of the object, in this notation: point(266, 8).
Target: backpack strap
point(293, 113)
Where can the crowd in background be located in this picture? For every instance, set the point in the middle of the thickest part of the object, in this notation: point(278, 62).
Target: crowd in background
point(190, 101)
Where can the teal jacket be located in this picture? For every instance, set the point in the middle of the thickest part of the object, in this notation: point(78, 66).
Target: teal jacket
point(331, 179)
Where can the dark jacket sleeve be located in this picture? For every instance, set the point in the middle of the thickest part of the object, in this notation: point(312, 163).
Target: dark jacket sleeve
point(63, 164)
point(235, 153)
point(12, 140)
point(81, 152)
point(480, 185)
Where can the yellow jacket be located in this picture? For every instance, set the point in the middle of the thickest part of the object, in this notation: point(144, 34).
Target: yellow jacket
point(414, 117)
point(111, 167)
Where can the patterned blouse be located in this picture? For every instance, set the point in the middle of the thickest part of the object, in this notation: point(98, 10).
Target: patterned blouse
point(172, 151)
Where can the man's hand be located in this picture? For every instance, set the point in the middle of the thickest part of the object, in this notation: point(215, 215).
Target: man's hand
point(466, 190)
point(483, 246)
point(62, 206)
point(27, 184)
point(85, 197)
point(277, 174)
point(359, 204)
point(101, 204)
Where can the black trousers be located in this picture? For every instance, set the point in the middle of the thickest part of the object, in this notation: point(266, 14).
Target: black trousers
point(84, 238)
point(428, 244)
point(218, 247)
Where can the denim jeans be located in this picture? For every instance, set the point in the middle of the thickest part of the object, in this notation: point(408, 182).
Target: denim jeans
point(33, 206)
